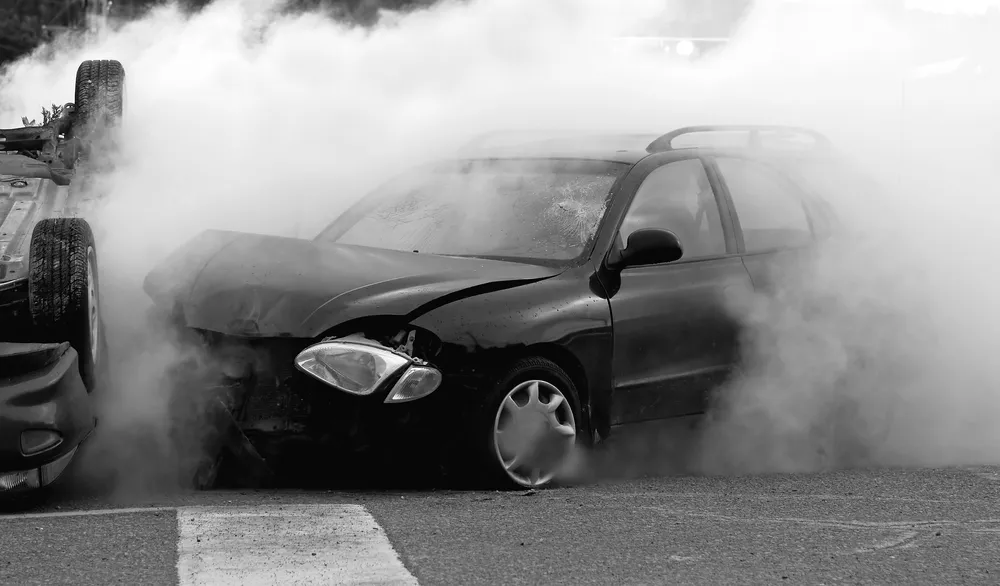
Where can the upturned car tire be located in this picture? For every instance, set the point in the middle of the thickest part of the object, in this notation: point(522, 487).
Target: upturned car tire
point(543, 433)
point(63, 297)
point(99, 96)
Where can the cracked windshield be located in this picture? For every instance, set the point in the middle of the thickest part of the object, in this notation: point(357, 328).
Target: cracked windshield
point(518, 210)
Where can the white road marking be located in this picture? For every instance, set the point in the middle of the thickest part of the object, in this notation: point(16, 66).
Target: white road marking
point(86, 513)
point(285, 544)
point(904, 539)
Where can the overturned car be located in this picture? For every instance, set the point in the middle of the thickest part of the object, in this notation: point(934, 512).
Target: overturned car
point(484, 315)
point(52, 344)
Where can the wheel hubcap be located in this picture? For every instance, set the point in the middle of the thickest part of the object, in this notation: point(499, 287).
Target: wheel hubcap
point(92, 308)
point(533, 432)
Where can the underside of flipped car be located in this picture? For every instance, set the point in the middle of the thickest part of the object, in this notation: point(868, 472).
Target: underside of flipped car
point(52, 343)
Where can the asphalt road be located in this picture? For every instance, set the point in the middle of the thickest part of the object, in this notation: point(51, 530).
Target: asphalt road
point(858, 527)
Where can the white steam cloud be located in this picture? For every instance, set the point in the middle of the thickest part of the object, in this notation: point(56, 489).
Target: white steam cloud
point(247, 117)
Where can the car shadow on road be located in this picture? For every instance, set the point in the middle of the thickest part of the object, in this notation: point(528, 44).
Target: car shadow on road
point(641, 451)
point(648, 449)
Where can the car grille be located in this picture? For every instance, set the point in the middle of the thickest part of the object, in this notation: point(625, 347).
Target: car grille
point(274, 395)
point(264, 372)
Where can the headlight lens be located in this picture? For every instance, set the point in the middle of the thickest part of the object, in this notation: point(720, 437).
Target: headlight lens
point(351, 367)
point(418, 382)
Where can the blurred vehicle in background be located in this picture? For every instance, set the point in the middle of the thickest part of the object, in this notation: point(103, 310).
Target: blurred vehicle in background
point(957, 47)
point(687, 29)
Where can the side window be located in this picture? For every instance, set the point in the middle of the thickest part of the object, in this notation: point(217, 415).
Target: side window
point(769, 209)
point(678, 197)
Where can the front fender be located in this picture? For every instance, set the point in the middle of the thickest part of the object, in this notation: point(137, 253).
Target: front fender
point(560, 318)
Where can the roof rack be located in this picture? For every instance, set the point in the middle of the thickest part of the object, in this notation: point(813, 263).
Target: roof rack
point(819, 141)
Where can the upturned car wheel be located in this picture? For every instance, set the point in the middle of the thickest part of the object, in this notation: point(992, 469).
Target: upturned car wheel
point(531, 420)
point(99, 95)
point(63, 291)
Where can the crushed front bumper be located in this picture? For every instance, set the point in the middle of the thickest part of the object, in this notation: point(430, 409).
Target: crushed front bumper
point(259, 421)
point(45, 413)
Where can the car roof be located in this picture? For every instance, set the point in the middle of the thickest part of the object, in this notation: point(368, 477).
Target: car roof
point(630, 148)
point(615, 156)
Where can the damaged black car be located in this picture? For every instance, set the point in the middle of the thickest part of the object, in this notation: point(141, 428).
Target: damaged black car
point(486, 315)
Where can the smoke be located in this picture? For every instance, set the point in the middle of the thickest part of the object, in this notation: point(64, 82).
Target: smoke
point(875, 350)
point(247, 116)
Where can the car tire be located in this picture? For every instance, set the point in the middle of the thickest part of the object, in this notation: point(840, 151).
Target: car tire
point(63, 297)
point(99, 96)
point(519, 462)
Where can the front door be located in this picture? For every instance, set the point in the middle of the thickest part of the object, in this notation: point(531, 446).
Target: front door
point(674, 340)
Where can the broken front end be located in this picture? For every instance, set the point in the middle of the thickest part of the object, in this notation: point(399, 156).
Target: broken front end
point(294, 412)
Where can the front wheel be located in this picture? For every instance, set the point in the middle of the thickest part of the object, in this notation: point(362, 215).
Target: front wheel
point(529, 424)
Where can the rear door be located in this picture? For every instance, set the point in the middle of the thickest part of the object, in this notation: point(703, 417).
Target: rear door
point(674, 340)
point(773, 217)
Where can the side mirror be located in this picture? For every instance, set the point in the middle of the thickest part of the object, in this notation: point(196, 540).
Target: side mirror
point(645, 247)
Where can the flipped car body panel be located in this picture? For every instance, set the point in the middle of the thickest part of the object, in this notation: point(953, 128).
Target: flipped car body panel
point(270, 286)
point(27, 195)
point(46, 394)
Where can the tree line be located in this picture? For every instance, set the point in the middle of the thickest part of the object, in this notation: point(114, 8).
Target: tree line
point(25, 24)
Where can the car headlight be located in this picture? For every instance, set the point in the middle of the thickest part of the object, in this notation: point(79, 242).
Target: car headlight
point(685, 48)
point(361, 368)
point(350, 366)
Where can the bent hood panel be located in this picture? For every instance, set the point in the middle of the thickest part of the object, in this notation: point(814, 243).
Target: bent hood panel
point(254, 284)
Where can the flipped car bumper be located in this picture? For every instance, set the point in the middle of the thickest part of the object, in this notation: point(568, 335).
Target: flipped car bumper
point(45, 413)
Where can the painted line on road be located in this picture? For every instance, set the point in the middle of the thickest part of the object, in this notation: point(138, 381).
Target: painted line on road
point(285, 544)
point(86, 513)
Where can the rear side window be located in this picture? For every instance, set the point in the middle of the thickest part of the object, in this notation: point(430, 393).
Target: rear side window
point(768, 207)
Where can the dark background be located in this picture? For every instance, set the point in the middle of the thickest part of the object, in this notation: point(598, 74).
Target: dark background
point(24, 24)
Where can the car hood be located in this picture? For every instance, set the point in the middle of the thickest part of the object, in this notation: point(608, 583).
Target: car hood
point(257, 285)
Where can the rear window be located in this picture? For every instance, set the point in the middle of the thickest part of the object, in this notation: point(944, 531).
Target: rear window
point(841, 188)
